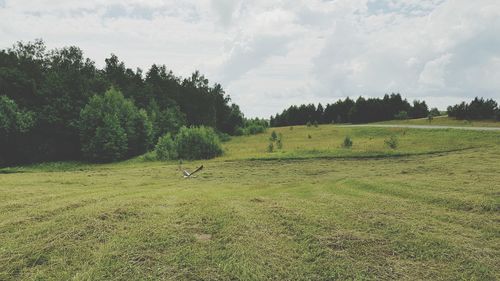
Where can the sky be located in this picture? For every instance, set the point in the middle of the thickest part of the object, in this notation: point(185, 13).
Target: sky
point(269, 55)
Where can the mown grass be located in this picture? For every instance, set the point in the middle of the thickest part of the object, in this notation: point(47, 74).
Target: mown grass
point(419, 217)
point(444, 121)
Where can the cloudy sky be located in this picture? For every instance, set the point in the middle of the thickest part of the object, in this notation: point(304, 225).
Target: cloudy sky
point(271, 54)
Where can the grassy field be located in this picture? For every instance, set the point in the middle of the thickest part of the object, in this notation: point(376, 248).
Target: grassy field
point(445, 121)
point(428, 210)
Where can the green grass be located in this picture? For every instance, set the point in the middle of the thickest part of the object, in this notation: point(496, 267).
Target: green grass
point(298, 215)
point(444, 121)
point(326, 141)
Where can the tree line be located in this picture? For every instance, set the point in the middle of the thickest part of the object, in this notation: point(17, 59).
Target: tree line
point(363, 110)
point(57, 105)
point(477, 109)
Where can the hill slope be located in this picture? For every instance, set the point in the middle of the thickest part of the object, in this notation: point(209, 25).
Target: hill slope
point(445, 121)
point(426, 216)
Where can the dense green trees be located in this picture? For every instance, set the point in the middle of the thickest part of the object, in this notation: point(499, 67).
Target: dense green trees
point(62, 92)
point(348, 111)
point(477, 109)
point(13, 124)
point(113, 128)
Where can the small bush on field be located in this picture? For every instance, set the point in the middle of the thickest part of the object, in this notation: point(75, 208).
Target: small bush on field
point(279, 141)
point(308, 124)
point(315, 124)
point(223, 137)
point(270, 147)
point(309, 136)
point(166, 149)
point(239, 131)
point(274, 136)
point(347, 142)
point(291, 128)
point(190, 143)
point(197, 143)
point(392, 142)
point(150, 156)
point(254, 129)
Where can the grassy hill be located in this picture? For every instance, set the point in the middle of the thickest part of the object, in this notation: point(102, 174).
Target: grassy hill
point(445, 121)
point(310, 211)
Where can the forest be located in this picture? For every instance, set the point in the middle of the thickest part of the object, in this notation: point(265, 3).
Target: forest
point(57, 105)
point(390, 107)
point(349, 111)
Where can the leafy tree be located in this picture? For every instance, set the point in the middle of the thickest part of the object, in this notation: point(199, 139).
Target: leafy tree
point(120, 116)
point(169, 120)
point(12, 119)
point(109, 143)
point(14, 123)
point(418, 110)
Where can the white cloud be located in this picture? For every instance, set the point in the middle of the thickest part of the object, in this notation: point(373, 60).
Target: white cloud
point(270, 54)
point(435, 71)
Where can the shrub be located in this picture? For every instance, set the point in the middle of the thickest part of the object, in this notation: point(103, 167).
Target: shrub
point(149, 156)
point(254, 129)
point(270, 147)
point(402, 115)
point(166, 148)
point(239, 131)
point(197, 143)
point(273, 136)
point(347, 142)
point(291, 128)
point(392, 142)
point(308, 124)
point(223, 137)
point(279, 141)
point(315, 124)
point(309, 136)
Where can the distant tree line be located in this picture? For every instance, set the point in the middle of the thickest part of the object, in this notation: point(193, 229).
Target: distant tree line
point(349, 111)
point(477, 109)
point(57, 105)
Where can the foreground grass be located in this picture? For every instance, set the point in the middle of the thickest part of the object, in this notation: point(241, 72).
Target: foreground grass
point(423, 217)
point(444, 121)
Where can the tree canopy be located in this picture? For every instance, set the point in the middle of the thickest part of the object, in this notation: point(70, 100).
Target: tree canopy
point(477, 109)
point(57, 105)
point(349, 111)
